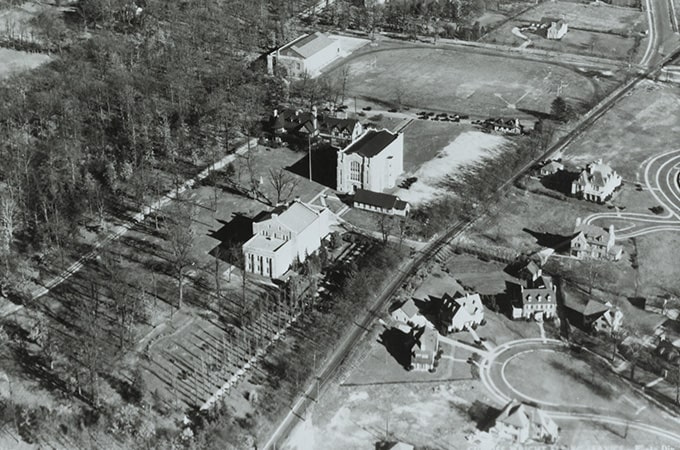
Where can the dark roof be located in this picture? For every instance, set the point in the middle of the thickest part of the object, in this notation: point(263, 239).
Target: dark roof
point(672, 326)
point(328, 123)
point(379, 199)
point(371, 143)
point(306, 46)
point(293, 120)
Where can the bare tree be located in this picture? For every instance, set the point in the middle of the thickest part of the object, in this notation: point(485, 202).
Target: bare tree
point(385, 225)
point(181, 237)
point(284, 184)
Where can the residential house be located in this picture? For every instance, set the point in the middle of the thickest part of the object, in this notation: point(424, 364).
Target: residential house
point(555, 28)
point(534, 299)
point(530, 272)
point(589, 314)
point(590, 241)
point(424, 349)
point(510, 126)
point(381, 203)
point(409, 314)
point(551, 168)
point(285, 235)
point(301, 124)
point(308, 53)
point(373, 162)
point(669, 331)
point(520, 423)
point(461, 311)
point(596, 183)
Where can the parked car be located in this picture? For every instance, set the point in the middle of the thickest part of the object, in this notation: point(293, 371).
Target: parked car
point(367, 108)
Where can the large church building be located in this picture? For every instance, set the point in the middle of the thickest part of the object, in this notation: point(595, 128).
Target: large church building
point(373, 162)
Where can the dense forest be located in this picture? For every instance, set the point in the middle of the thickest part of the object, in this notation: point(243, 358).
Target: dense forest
point(137, 96)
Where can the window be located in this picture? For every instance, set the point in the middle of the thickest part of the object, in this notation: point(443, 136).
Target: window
point(355, 171)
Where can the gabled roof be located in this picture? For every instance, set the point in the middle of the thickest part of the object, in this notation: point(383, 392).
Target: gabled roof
point(409, 308)
point(329, 123)
point(379, 199)
point(307, 45)
point(514, 414)
point(553, 166)
point(296, 216)
point(425, 344)
point(596, 174)
point(592, 233)
point(371, 143)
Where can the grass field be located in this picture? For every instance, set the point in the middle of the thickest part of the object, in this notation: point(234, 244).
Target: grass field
point(13, 61)
point(644, 124)
point(462, 82)
point(598, 30)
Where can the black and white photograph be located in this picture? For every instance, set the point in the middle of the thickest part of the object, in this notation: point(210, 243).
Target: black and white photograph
point(339, 224)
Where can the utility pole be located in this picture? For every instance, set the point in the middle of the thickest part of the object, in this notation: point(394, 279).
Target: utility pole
point(309, 151)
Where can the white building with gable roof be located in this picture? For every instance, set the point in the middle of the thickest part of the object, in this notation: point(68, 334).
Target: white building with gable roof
point(308, 53)
point(284, 235)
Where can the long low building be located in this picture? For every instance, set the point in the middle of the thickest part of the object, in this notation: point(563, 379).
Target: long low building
point(308, 53)
point(381, 203)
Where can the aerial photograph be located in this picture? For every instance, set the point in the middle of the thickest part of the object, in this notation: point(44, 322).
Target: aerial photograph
point(339, 224)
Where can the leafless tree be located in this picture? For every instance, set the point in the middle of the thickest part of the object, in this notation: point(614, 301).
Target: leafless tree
point(385, 225)
point(181, 237)
point(284, 184)
point(8, 215)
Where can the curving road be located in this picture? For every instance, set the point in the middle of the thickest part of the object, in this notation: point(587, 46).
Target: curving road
point(493, 375)
point(662, 179)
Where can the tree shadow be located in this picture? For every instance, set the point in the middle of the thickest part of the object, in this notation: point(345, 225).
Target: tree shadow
point(540, 115)
point(560, 181)
point(398, 344)
point(324, 166)
point(558, 242)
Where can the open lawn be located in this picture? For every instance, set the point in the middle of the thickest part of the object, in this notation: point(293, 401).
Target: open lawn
point(13, 61)
point(589, 16)
point(456, 81)
point(644, 124)
point(598, 30)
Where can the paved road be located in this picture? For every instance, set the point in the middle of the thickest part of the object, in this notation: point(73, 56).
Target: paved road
point(493, 376)
point(661, 177)
point(661, 18)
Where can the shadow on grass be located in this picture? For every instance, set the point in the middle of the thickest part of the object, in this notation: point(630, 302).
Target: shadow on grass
point(560, 181)
point(558, 242)
point(398, 344)
point(232, 235)
point(592, 382)
point(482, 414)
point(324, 166)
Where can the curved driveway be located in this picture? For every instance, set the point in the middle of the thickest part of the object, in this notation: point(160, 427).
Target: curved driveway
point(493, 376)
point(662, 179)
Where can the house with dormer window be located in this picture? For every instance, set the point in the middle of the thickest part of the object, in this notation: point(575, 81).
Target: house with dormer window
point(534, 296)
point(590, 241)
point(461, 311)
point(596, 183)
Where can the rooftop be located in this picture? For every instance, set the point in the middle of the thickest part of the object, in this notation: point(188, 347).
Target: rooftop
point(296, 217)
point(307, 45)
point(371, 143)
point(385, 201)
point(264, 243)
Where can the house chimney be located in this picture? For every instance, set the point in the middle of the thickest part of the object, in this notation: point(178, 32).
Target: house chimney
point(315, 123)
point(276, 112)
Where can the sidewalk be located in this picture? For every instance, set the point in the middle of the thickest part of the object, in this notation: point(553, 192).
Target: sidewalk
point(120, 230)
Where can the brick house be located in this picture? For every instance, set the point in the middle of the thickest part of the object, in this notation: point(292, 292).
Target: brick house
point(301, 124)
point(596, 183)
point(590, 241)
point(373, 162)
point(535, 299)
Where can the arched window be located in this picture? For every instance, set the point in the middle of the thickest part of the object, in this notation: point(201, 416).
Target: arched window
point(355, 171)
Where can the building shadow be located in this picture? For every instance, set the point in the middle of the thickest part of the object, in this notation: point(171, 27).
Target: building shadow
point(231, 236)
point(324, 165)
point(398, 344)
point(558, 242)
point(483, 415)
point(559, 181)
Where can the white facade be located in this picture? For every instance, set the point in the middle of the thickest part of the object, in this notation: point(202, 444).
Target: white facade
point(462, 312)
point(308, 53)
point(373, 162)
point(284, 237)
point(557, 29)
point(596, 182)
